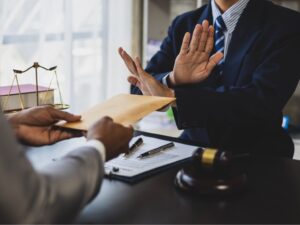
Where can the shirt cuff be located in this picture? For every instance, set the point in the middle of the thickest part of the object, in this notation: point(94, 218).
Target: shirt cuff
point(99, 146)
point(165, 80)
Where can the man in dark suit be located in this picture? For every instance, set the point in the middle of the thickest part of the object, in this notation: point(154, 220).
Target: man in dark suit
point(60, 191)
point(234, 102)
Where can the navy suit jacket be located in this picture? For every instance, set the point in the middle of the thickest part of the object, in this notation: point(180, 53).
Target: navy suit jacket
point(242, 110)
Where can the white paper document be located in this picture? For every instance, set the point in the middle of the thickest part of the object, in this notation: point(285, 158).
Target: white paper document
point(130, 166)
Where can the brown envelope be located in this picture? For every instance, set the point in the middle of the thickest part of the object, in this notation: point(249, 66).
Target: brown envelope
point(125, 109)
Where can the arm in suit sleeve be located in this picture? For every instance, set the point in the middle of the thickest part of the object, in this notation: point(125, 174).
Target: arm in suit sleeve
point(260, 101)
point(54, 195)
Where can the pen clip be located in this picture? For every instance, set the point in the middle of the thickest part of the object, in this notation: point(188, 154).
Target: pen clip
point(134, 147)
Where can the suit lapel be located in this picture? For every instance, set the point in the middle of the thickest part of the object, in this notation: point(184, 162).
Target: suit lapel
point(206, 15)
point(246, 32)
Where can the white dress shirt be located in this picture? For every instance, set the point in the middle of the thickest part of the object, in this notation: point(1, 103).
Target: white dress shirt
point(99, 146)
point(231, 17)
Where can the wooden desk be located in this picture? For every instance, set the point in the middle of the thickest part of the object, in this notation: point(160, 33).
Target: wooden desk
point(273, 197)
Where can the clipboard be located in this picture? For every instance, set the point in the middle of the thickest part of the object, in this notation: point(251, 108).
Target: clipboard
point(131, 169)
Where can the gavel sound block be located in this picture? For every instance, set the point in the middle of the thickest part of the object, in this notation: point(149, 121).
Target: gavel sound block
point(213, 172)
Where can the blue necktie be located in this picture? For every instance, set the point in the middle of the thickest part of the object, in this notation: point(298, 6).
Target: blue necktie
point(220, 28)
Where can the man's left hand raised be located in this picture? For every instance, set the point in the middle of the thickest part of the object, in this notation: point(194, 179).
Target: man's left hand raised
point(194, 63)
point(143, 80)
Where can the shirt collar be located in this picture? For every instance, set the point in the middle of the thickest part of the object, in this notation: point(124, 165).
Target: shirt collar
point(230, 16)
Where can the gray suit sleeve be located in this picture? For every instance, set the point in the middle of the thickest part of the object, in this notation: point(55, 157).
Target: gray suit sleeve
point(54, 195)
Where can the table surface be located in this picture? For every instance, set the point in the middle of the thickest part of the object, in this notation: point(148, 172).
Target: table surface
point(272, 196)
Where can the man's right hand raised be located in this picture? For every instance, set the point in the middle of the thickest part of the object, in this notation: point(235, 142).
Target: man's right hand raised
point(114, 137)
point(194, 63)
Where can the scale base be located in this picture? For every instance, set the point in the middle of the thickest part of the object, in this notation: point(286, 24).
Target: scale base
point(56, 106)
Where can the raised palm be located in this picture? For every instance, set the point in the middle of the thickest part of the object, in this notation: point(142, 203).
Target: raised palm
point(194, 64)
point(143, 80)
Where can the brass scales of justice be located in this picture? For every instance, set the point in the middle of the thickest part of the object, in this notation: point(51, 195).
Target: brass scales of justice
point(61, 105)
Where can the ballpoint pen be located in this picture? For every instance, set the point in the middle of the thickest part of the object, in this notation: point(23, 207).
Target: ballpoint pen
point(135, 145)
point(156, 150)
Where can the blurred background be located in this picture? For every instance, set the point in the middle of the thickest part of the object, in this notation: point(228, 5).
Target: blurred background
point(81, 37)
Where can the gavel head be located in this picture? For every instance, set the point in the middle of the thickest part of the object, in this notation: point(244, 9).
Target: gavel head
point(213, 171)
point(212, 160)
